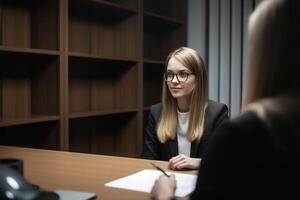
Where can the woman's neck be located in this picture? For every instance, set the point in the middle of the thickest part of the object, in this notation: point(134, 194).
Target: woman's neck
point(183, 104)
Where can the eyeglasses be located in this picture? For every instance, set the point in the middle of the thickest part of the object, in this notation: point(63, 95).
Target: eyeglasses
point(181, 76)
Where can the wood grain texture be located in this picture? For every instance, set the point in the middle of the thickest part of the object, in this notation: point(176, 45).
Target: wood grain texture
point(16, 20)
point(78, 73)
point(109, 134)
point(43, 135)
point(44, 24)
point(54, 170)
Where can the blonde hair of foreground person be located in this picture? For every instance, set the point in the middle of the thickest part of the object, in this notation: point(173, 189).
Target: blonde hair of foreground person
point(274, 69)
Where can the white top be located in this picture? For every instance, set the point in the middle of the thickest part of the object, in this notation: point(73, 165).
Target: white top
point(184, 146)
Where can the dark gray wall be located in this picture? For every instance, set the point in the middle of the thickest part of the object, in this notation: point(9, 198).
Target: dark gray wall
point(217, 29)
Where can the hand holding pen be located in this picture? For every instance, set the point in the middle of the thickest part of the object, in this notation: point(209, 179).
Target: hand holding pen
point(165, 186)
point(160, 169)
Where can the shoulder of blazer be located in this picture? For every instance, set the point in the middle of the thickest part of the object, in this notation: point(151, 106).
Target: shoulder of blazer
point(213, 108)
point(216, 108)
point(155, 111)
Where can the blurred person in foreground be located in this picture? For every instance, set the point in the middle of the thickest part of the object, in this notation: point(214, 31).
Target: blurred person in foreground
point(256, 155)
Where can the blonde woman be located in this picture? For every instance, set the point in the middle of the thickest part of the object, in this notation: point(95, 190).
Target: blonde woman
point(179, 129)
point(257, 155)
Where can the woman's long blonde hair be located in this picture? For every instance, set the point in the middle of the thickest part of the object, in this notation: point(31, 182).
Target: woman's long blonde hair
point(167, 125)
point(274, 68)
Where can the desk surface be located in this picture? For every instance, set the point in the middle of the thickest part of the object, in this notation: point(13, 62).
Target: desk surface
point(53, 170)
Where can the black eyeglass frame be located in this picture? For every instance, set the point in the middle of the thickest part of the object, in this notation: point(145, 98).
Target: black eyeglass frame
point(173, 75)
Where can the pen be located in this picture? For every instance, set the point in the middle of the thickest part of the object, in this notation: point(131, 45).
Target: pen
point(160, 169)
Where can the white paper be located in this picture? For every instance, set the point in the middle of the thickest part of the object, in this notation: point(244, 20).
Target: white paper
point(143, 181)
point(74, 195)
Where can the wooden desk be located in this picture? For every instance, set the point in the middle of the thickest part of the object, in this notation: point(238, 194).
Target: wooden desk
point(53, 170)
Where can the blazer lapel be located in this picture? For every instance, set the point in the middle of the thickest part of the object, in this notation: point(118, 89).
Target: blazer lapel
point(173, 147)
point(196, 145)
point(194, 148)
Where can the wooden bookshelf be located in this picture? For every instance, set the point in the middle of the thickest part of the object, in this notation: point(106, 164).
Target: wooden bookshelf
point(30, 120)
point(29, 73)
point(80, 75)
point(169, 19)
point(173, 9)
point(37, 134)
point(102, 29)
point(29, 84)
point(30, 24)
point(153, 80)
point(97, 84)
point(113, 134)
point(167, 36)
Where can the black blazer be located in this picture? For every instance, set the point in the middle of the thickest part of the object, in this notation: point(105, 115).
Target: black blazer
point(247, 160)
point(216, 114)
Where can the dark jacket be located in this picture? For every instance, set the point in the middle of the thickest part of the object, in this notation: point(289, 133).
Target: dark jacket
point(216, 114)
point(247, 160)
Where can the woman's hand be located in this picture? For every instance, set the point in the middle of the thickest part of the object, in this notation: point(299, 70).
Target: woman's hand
point(164, 188)
point(184, 162)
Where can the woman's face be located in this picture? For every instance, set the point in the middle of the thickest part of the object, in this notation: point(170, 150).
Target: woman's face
point(183, 87)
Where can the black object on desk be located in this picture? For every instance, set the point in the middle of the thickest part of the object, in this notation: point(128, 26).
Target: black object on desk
point(14, 186)
point(13, 163)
